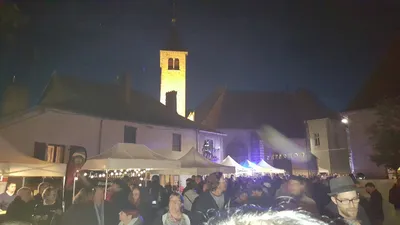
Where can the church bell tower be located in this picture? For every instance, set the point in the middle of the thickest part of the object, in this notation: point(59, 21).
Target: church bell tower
point(173, 68)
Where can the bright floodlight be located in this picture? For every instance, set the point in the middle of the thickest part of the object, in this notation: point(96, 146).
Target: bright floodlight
point(345, 121)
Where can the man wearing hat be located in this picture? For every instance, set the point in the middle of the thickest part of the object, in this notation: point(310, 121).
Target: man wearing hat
point(345, 202)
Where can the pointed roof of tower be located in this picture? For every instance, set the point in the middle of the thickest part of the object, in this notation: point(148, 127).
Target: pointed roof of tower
point(173, 42)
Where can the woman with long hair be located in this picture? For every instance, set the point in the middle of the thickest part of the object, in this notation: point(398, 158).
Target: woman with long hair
point(137, 199)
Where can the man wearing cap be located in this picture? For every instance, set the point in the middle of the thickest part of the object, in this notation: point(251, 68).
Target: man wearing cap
point(345, 202)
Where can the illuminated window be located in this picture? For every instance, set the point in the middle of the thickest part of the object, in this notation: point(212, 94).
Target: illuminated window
point(176, 142)
point(49, 152)
point(171, 64)
point(316, 139)
point(176, 64)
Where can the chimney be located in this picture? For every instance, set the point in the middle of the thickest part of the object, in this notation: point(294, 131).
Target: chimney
point(170, 100)
point(126, 86)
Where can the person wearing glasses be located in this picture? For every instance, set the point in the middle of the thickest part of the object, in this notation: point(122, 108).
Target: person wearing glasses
point(345, 202)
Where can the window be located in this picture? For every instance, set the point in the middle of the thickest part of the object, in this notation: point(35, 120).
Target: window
point(176, 64)
point(49, 152)
point(55, 153)
point(316, 139)
point(130, 134)
point(170, 64)
point(176, 142)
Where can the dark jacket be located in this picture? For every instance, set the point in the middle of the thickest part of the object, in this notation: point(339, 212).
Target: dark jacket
point(203, 207)
point(332, 212)
point(263, 201)
point(375, 207)
point(394, 196)
point(19, 210)
point(47, 214)
point(85, 214)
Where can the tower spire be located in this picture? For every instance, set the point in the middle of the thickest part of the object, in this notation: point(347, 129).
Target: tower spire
point(173, 41)
point(173, 19)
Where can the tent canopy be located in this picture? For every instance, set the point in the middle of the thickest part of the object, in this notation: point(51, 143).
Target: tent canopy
point(130, 156)
point(272, 169)
point(229, 161)
point(254, 167)
point(16, 164)
point(322, 170)
point(194, 163)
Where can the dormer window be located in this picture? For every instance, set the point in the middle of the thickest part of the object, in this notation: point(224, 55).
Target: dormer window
point(176, 64)
point(170, 64)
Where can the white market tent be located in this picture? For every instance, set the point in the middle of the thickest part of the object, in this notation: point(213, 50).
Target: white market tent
point(255, 168)
point(130, 156)
point(229, 161)
point(16, 164)
point(272, 169)
point(194, 163)
point(322, 170)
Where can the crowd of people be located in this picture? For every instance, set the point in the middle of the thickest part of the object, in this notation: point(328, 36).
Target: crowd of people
point(203, 200)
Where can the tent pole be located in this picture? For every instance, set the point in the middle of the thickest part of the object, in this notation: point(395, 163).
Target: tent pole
point(105, 186)
point(73, 188)
point(63, 194)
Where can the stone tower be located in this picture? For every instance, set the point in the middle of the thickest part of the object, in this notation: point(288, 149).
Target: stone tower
point(173, 69)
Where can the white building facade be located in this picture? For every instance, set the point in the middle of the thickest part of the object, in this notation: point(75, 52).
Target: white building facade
point(57, 130)
point(359, 122)
point(328, 142)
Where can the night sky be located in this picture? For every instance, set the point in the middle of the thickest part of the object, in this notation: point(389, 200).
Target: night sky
point(328, 47)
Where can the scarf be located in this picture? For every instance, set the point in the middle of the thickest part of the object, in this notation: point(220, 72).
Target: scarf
point(172, 221)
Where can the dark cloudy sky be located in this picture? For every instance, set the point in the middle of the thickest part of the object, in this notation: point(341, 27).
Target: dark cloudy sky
point(329, 47)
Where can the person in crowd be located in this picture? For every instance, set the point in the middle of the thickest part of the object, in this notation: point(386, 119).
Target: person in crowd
point(345, 202)
point(41, 187)
point(375, 204)
point(97, 212)
point(174, 216)
point(157, 193)
point(8, 196)
point(48, 212)
point(394, 197)
point(296, 187)
point(241, 200)
point(187, 187)
point(138, 200)
point(320, 190)
point(85, 195)
point(120, 192)
point(269, 218)
point(282, 190)
point(200, 184)
point(21, 209)
point(129, 215)
point(206, 187)
point(212, 200)
point(189, 196)
point(258, 197)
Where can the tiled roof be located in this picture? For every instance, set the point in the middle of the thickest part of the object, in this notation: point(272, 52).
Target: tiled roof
point(383, 83)
point(284, 111)
point(107, 100)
